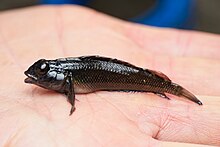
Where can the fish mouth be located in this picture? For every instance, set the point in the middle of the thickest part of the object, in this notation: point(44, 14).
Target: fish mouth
point(30, 78)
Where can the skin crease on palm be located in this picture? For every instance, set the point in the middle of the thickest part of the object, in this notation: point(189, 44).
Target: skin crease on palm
point(32, 116)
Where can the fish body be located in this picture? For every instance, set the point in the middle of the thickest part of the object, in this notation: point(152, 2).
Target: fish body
point(88, 74)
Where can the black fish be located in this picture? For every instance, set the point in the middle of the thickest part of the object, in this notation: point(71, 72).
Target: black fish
point(93, 73)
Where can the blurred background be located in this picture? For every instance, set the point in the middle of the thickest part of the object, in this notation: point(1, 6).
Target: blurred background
point(200, 15)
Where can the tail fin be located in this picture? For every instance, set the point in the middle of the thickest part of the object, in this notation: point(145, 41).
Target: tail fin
point(186, 94)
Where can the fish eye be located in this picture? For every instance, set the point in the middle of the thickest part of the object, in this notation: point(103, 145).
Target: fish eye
point(42, 69)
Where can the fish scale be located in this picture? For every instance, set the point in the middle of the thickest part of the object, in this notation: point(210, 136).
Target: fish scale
point(88, 74)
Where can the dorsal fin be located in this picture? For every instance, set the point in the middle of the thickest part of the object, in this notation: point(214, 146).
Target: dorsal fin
point(107, 59)
point(99, 58)
point(160, 74)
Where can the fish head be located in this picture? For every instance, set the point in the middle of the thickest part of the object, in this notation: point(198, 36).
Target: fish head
point(46, 74)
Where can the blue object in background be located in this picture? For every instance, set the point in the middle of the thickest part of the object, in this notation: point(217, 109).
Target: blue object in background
point(165, 13)
point(169, 13)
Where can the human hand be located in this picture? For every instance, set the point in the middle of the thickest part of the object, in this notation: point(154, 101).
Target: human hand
point(32, 116)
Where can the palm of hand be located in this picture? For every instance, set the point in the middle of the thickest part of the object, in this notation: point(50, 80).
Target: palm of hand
point(32, 116)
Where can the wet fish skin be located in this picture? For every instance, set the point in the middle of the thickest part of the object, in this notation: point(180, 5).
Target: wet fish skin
point(88, 74)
